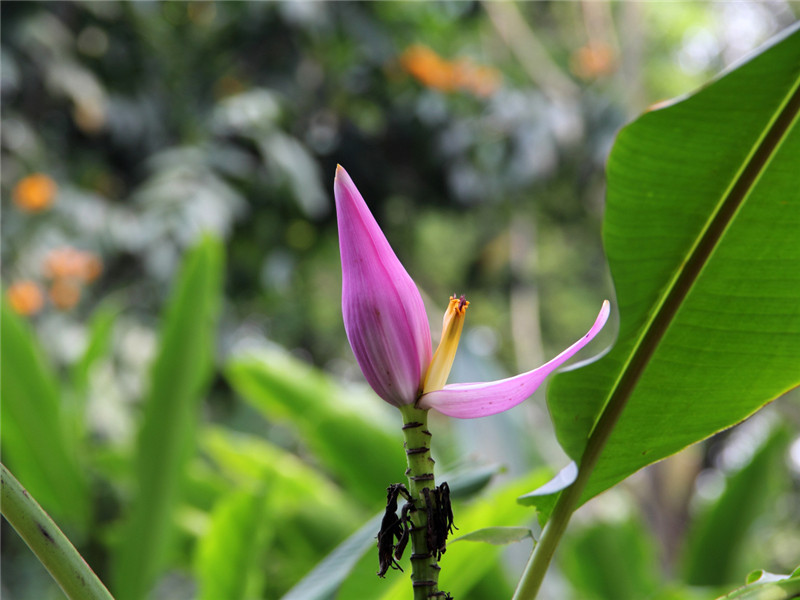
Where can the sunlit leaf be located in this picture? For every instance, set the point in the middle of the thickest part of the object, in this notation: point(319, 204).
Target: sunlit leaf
point(248, 461)
point(762, 576)
point(544, 497)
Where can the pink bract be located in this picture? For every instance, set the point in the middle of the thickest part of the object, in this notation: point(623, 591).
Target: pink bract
point(472, 400)
point(384, 316)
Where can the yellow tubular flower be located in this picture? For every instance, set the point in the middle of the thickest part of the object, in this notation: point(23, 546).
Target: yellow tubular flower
point(442, 361)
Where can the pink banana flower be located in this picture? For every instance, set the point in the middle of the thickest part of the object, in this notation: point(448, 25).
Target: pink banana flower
point(388, 330)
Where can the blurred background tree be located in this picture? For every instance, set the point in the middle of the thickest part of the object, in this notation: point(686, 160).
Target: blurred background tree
point(477, 132)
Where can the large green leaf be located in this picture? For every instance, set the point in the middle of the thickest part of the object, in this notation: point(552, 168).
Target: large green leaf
point(180, 373)
point(702, 233)
point(36, 444)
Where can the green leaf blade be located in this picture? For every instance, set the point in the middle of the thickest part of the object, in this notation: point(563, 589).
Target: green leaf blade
point(701, 234)
point(167, 437)
point(100, 332)
point(35, 437)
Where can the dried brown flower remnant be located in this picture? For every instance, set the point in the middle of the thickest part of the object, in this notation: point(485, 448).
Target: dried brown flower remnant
point(393, 527)
point(25, 297)
point(435, 72)
point(34, 193)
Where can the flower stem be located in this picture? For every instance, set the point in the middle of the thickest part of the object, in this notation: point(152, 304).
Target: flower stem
point(569, 500)
point(47, 541)
point(424, 567)
point(535, 570)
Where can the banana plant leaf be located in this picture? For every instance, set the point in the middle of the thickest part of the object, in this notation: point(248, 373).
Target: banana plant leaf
point(36, 441)
point(702, 235)
point(180, 374)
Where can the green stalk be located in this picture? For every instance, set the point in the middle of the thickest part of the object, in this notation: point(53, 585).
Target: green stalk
point(535, 570)
point(424, 567)
point(567, 502)
point(47, 541)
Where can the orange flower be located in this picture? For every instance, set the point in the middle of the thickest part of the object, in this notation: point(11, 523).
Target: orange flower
point(428, 68)
point(435, 72)
point(64, 293)
point(25, 297)
point(92, 267)
point(482, 81)
point(34, 193)
point(593, 60)
point(70, 263)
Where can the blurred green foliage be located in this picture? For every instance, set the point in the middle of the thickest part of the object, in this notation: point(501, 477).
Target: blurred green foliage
point(164, 130)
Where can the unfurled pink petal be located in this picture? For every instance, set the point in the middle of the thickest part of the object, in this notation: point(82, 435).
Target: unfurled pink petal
point(384, 316)
point(471, 400)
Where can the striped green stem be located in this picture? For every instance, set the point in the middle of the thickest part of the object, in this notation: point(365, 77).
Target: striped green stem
point(424, 567)
point(48, 543)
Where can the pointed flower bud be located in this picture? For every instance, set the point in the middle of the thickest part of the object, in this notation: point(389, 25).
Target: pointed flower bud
point(384, 316)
